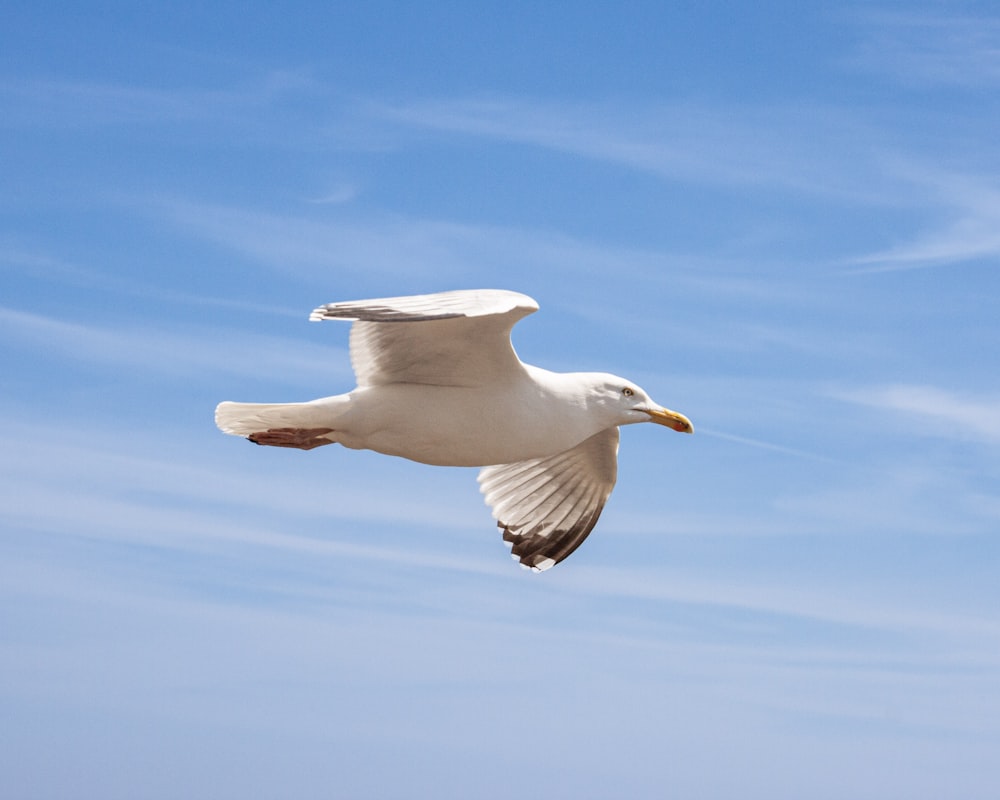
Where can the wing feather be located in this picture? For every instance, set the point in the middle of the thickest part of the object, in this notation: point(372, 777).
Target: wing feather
point(459, 338)
point(546, 507)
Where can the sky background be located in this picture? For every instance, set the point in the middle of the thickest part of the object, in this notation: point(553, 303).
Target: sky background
point(780, 218)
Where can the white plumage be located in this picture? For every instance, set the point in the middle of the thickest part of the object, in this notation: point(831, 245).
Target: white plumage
point(440, 383)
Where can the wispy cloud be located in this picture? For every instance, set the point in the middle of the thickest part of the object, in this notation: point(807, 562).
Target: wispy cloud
point(305, 243)
point(921, 49)
point(74, 103)
point(166, 350)
point(816, 152)
point(340, 193)
point(41, 265)
point(821, 153)
point(894, 500)
point(776, 448)
point(944, 412)
point(46, 268)
point(400, 246)
point(809, 149)
point(160, 499)
point(129, 486)
point(966, 226)
point(792, 599)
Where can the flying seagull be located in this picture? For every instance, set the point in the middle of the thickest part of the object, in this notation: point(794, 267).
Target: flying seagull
point(439, 382)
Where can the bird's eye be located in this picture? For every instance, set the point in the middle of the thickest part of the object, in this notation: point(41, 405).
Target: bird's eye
point(627, 391)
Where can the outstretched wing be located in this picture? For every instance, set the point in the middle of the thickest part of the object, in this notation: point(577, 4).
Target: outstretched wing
point(547, 506)
point(459, 338)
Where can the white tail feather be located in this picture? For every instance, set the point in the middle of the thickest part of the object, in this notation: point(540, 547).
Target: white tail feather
point(243, 419)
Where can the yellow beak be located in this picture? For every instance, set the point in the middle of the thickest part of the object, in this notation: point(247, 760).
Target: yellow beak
point(664, 416)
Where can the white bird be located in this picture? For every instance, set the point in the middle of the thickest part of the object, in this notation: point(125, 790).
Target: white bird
point(439, 383)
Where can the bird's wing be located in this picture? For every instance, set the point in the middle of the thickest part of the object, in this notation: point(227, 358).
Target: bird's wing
point(459, 338)
point(547, 506)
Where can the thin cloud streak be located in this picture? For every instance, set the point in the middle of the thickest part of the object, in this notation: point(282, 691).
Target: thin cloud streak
point(789, 601)
point(397, 246)
point(35, 102)
point(816, 153)
point(52, 457)
point(777, 448)
point(951, 413)
point(203, 350)
point(920, 50)
point(337, 195)
point(813, 152)
point(892, 501)
point(968, 226)
point(44, 267)
point(804, 150)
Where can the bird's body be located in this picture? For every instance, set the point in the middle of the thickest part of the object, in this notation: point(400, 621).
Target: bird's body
point(469, 426)
point(439, 383)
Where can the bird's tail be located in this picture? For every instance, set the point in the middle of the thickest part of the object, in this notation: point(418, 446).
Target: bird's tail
point(244, 419)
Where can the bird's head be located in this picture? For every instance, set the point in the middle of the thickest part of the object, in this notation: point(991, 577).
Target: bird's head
point(630, 403)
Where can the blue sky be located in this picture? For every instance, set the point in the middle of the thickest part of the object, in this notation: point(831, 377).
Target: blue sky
point(782, 219)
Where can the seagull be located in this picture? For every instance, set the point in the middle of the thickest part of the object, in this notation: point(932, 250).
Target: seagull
point(439, 383)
